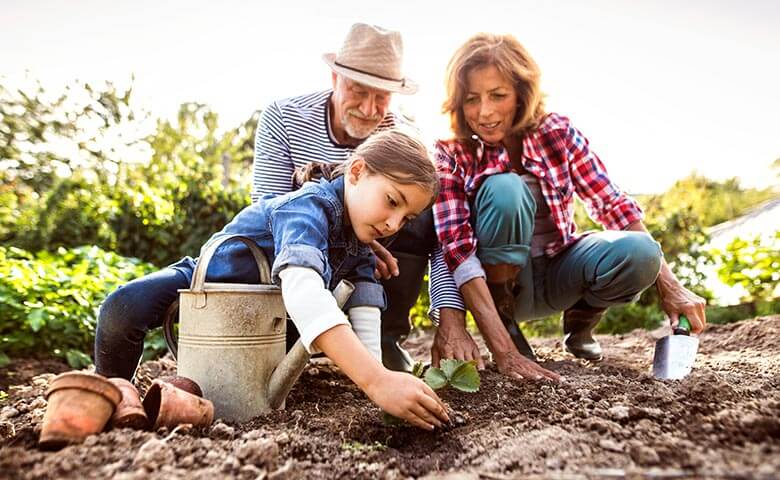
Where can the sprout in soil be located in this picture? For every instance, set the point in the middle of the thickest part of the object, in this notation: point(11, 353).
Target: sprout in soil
point(458, 374)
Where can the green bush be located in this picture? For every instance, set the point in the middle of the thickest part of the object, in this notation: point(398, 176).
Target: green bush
point(753, 264)
point(616, 320)
point(161, 226)
point(146, 222)
point(50, 300)
point(73, 213)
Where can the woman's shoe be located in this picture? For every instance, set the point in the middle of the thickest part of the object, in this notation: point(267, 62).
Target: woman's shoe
point(578, 324)
point(504, 294)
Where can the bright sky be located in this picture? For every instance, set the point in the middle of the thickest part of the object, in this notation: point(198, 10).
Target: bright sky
point(659, 87)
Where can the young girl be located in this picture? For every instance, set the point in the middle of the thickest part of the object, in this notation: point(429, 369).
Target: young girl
point(314, 237)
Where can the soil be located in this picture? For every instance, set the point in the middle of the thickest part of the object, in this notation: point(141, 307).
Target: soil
point(606, 420)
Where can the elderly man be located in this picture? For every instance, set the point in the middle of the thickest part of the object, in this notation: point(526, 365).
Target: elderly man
point(326, 126)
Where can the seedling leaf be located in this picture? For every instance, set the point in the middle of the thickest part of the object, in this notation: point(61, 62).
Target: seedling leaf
point(465, 378)
point(418, 369)
point(435, 378)
point(449, 366)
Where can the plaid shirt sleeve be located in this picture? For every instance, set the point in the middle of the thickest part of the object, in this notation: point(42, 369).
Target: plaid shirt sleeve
point(605, 202)
point(451, 212)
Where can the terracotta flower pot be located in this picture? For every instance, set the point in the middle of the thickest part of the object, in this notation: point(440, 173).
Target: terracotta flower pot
point(129, 413)
point(79, 405)
point(184, 383)
point(168, 406)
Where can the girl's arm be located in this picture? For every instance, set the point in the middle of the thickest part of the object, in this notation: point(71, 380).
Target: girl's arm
point(367, 323)
point(323, 327)
point(397, 393)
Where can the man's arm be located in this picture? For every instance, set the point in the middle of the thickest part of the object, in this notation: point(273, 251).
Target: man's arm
point(273, 166)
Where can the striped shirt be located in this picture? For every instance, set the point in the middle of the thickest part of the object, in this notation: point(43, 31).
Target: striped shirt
point(292, 133)
point(295, 131)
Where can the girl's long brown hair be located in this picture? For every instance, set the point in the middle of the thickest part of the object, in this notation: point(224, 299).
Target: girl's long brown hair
point(394, 154)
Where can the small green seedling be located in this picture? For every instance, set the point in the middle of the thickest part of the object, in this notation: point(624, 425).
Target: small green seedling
point(355, 446)
point(458, 374)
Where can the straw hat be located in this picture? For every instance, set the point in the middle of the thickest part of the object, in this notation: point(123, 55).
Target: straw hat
point(372, 56)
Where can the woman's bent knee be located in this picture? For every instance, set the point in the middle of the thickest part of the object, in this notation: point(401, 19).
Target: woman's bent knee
point(507, 193)
point(644, 256)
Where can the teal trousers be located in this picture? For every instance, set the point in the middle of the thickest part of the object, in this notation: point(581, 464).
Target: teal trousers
point(601, 269)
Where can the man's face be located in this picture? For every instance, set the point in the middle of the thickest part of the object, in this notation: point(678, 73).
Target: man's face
point(357, 108)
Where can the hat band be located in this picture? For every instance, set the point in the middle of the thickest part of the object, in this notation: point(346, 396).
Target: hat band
point(402, 80)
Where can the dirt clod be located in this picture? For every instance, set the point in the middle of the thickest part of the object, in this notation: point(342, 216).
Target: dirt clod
point(644, 455)
point(220, 430)
point(153, 455)
point(258, 452)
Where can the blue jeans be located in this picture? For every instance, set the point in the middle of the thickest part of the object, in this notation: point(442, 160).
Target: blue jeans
point(127, 314)
point(133, 309)
point(601, 269)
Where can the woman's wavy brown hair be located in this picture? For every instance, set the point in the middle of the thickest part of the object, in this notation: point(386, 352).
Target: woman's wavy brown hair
point(513, 61)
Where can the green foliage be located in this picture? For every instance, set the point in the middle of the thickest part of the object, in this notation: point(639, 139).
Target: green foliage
point(418, 315)
point(458, 374)
point(355, 446)
point(160, 226)
point(616, 320)
point(710, 201)
point(158, 210)
point(50, 300)
point(753, 264)
point(435, 378)
point(74, 212)
point(624, 318)
point(154, 345)
point(82, 128)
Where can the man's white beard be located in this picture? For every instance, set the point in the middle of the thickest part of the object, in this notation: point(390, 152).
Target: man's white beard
point(357, 131)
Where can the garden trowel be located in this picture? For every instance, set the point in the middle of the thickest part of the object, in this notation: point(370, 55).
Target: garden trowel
point(675, 353)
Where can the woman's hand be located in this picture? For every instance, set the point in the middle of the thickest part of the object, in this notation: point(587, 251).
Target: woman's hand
point(409, 398)
point(386, 263)
point(516, 366)
point(676, 300)
point(453, 341)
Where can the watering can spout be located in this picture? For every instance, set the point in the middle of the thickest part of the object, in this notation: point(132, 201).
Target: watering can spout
point(290, 368)
point(286, 374)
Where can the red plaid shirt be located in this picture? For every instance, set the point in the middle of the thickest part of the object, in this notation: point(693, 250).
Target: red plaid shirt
point(559, 155)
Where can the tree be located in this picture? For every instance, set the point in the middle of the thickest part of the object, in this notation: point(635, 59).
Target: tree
point(85, 128)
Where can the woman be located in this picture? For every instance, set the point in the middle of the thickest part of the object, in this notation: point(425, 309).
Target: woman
point(504, 217)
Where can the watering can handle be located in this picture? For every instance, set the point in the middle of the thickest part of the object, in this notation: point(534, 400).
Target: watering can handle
point(199, 276)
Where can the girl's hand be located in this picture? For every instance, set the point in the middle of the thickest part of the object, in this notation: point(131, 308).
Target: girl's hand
point(409, 398)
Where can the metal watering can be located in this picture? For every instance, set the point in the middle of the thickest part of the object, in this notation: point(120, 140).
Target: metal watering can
point(232, 339)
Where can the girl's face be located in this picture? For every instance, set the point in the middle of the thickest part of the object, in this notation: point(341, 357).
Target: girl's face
point(490, 104)
point(378, 207)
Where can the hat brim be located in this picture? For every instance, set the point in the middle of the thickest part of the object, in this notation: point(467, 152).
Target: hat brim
point(405, 87)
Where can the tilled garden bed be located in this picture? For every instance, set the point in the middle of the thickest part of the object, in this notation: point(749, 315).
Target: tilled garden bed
point(606, 420)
